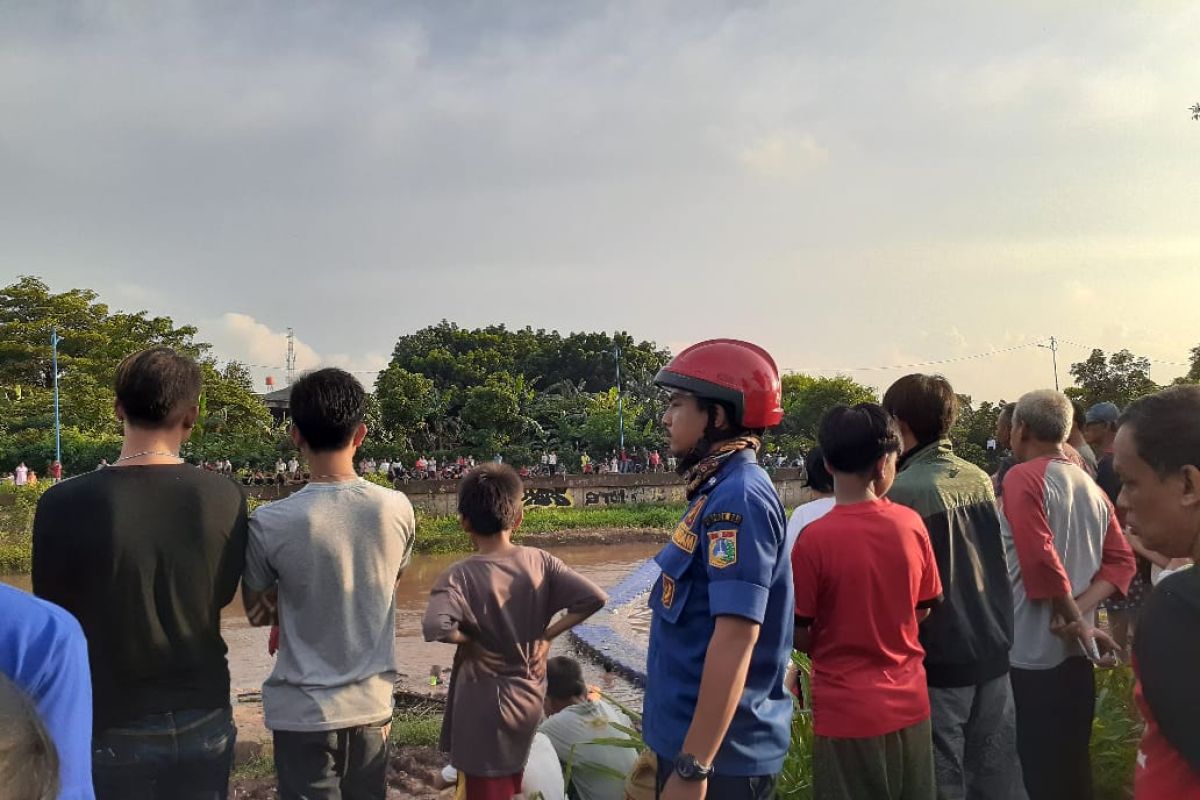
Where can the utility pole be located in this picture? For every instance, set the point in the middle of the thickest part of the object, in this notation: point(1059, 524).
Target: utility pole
point(291, 356)
point(620, 397)
point(1053, 348)
point(54, 340)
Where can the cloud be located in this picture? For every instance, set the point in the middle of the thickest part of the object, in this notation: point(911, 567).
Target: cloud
point(784, 155)
point(240, 337)
point(1081, 294)
point(842, 174)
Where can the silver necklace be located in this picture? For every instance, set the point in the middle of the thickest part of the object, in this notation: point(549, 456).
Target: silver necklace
point(345, 477)
point(148, 453)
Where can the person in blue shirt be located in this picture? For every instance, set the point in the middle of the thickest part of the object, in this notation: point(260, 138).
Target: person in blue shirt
point(42, 651)
point(716, 713)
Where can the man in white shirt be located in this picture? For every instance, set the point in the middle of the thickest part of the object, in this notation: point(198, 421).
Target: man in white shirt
point(328, 557)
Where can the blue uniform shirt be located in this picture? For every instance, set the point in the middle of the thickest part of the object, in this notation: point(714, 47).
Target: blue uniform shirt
point(726, 557)
point(42, 651)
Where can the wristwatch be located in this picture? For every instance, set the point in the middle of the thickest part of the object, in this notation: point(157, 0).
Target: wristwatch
point(689, 769)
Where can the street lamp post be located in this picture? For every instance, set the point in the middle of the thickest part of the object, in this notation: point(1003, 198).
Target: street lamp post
point(620, 397)
point(54, 340)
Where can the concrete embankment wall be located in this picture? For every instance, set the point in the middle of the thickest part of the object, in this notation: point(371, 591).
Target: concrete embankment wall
point(576, 491)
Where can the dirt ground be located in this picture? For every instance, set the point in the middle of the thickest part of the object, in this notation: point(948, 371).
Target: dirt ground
point(410, 776)
point(412, 771)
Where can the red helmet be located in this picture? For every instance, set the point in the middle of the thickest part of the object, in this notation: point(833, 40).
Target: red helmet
point(736, 372)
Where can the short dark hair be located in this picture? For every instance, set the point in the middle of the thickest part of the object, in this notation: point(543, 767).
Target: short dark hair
point(927, 404)
point(816, 477)
point(853, 439)
point(327, 406)
point(29, 761)
point(1080, 417)
point(1166, 428)
point(489, 498)
point(156, 386)
point(564, 678)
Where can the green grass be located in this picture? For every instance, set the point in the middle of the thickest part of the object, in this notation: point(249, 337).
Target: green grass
point(16, 558)
point(443, 534)
point(1115, 734)
point(17, 505)
point(435, 533)
point(796, 779)
point(1116, 731)
point(262, 765)
point(416, 729)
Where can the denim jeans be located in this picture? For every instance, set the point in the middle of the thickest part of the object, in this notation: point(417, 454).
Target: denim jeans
point(345, 764)
point(175, 755)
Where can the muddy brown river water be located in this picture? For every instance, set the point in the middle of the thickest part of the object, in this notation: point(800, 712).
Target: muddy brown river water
point(249, 663)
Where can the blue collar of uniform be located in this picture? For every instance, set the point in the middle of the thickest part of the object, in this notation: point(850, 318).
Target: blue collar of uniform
point(746, 456)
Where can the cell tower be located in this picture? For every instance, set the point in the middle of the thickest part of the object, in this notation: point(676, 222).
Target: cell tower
point(291, 356)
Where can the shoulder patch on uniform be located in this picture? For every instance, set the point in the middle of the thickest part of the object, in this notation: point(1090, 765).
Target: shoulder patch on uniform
point(723, 516)
point(684, 538)
point(689, 519)
point(722, 548)
point(668, 591)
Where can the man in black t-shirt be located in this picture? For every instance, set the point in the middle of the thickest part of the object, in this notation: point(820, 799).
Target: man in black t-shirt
point(1158, 457)
point(145, 554)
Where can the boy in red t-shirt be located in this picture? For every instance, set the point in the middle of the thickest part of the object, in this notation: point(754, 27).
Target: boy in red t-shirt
point(865, 576)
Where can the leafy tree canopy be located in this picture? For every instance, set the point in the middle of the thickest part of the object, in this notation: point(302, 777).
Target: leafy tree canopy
point(92, 341)
point(1120, 378)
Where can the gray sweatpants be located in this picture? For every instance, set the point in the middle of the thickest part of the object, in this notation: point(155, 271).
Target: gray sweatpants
point(975, 742)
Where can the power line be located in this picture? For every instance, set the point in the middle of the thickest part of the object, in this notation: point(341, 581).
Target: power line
point(1151, 360)
point(278, 368)
point(933, 363)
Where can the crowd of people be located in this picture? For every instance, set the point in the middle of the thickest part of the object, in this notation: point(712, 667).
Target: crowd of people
point(24, 476)
point(396, 473)
point(951, 617)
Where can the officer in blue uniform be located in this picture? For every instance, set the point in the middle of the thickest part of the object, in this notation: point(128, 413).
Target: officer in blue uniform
point(716, 712)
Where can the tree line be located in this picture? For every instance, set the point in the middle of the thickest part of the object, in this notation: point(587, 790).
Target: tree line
point(447, 391)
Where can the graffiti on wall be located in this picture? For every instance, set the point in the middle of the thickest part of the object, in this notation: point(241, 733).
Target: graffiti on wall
point(622, 496)
point(546, 498)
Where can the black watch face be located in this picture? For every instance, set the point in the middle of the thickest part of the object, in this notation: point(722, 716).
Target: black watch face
point(689, 769)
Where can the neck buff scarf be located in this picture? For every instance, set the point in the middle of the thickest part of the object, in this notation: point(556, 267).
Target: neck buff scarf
point(712, 461)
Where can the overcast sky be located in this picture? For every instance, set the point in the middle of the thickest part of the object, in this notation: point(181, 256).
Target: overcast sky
point(849, 184)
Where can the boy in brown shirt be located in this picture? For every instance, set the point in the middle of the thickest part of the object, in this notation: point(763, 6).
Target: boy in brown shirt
point(498, 607)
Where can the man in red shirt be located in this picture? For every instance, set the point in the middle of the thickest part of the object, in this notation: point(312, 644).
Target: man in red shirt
point(1157, 453)
point(865, 577)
